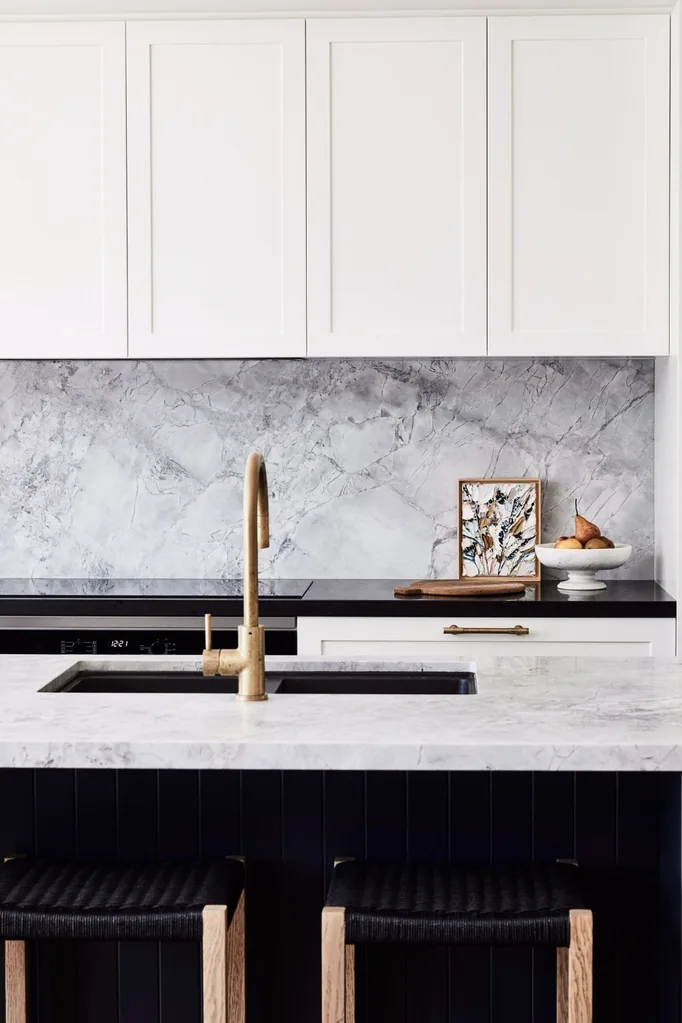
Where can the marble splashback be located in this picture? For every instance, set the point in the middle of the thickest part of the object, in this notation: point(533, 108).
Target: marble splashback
point(134, 469)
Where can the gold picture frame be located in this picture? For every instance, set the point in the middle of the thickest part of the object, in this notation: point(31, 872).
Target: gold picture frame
point(482, 544)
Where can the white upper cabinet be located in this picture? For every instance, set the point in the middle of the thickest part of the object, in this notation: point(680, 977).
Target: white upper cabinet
point(578, 158)
point(62, 190)
point(216, 179)
point(396, 186)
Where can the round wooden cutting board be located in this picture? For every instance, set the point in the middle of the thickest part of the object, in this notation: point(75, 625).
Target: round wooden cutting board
point(460, 588)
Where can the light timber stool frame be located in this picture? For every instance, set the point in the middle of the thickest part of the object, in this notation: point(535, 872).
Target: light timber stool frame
point(155, 901)
point(447, 905)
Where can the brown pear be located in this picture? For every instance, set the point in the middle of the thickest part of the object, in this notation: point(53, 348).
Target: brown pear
point(597, 543)
point(609, 543)
point(584, 529)
point(569, 543)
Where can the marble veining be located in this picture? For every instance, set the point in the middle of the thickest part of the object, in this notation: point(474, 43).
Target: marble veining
point(134, 469)
point(529, 714)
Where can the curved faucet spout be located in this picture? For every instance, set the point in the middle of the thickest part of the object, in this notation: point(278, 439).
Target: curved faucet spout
point(248, 660)
point(256, 531)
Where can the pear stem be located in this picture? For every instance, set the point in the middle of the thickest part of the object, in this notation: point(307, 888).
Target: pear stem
point(576, 507)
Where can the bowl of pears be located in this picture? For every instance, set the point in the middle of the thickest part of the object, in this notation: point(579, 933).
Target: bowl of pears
point(583, 554)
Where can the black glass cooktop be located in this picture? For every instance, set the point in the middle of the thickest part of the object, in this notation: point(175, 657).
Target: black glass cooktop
point(276, 588)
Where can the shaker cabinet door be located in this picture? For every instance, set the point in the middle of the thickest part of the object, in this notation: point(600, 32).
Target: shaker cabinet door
point(216, 179)
point(396, 186)
point(62, 191)
point(578, 158)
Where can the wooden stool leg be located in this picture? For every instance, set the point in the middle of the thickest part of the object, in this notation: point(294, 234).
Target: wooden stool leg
point(574, 971)
point(350, 983)
point(236, 966)
point(334, 967)
point(15, 981)
point(214, 956)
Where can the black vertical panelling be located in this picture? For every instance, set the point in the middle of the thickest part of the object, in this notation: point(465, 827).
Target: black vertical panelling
point(262, 848)
point(670, 899)
point(301, 896)
point(220, 827)
point(16, 811)
point(96, 840)
point(54, 962)
point(16, 835)
point(138, 838)
point(625, 831)
point(344, 836)
point(512, 842)
point(596, 829)
point(428, 841)
point(470, 839)
point(344, 818)
point(553, 839)
point(386, 838)
point(637, 896)
point(179, 961)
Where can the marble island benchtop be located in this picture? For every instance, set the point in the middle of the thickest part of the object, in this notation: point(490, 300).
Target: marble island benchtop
point(534, 713)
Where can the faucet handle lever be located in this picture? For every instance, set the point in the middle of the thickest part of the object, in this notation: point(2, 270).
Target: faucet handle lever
point(208, 632)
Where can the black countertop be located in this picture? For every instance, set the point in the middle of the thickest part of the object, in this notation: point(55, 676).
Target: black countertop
point(374, 597)
point(337, 598)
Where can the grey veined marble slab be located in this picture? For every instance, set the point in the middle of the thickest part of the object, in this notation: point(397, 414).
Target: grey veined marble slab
point(134, 469)
point(530, 714)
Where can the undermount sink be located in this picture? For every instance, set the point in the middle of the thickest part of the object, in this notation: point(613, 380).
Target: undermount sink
point(353, 683)
point(380, 683)
point(93, 681)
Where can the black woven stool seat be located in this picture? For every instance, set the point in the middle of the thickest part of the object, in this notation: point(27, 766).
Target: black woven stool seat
point(45, 898)
point(451, 905)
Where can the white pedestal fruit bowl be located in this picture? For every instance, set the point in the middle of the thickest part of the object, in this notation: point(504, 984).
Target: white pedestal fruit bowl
point(582, 565)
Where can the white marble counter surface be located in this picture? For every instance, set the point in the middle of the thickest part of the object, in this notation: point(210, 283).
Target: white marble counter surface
point(535, 713)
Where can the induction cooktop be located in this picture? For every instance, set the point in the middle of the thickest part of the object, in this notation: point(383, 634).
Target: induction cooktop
point(274, 588)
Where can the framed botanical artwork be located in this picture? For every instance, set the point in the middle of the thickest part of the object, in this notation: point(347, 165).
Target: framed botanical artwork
point(499, 526)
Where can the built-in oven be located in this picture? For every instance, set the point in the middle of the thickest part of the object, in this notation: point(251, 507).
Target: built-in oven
point(89, 635)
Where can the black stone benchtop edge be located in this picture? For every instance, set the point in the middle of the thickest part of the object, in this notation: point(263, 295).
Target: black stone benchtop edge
point(340, 598)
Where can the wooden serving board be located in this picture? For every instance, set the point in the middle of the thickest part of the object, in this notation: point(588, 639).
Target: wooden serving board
point(460, 588)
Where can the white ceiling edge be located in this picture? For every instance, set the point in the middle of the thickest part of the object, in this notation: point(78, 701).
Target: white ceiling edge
point(29, 9)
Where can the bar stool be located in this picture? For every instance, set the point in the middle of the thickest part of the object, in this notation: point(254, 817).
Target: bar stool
point(448, 905)
point(199, 900)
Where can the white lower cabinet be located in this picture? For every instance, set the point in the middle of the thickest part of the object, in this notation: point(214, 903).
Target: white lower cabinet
point(541, 637)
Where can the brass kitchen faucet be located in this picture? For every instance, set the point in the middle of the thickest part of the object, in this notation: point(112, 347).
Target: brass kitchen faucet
point(247, 662)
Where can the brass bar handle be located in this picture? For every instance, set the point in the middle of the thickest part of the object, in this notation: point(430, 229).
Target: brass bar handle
point(466, 630)
point(208, 632)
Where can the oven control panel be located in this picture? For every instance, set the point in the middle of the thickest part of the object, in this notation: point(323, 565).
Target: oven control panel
point(137, 642)
point(106, 644)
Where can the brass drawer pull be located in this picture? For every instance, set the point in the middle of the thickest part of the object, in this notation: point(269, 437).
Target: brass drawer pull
point(465, 630)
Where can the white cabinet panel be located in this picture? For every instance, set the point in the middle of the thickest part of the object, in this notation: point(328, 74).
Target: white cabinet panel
point(216, 170)
point(62, 191)
point(578, 185)
point(396, 186)
point(546, 637)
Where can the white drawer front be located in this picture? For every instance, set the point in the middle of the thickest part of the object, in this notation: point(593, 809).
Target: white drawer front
point(546, 637)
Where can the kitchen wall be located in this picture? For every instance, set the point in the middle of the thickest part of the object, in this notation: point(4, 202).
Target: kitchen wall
point(135, 468)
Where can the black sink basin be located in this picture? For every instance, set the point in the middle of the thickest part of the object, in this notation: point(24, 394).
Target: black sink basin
point(352, 683)
point(90, 681)
point(380, 683)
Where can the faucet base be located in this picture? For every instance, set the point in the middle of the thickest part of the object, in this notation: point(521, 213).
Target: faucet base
point(257, 698)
